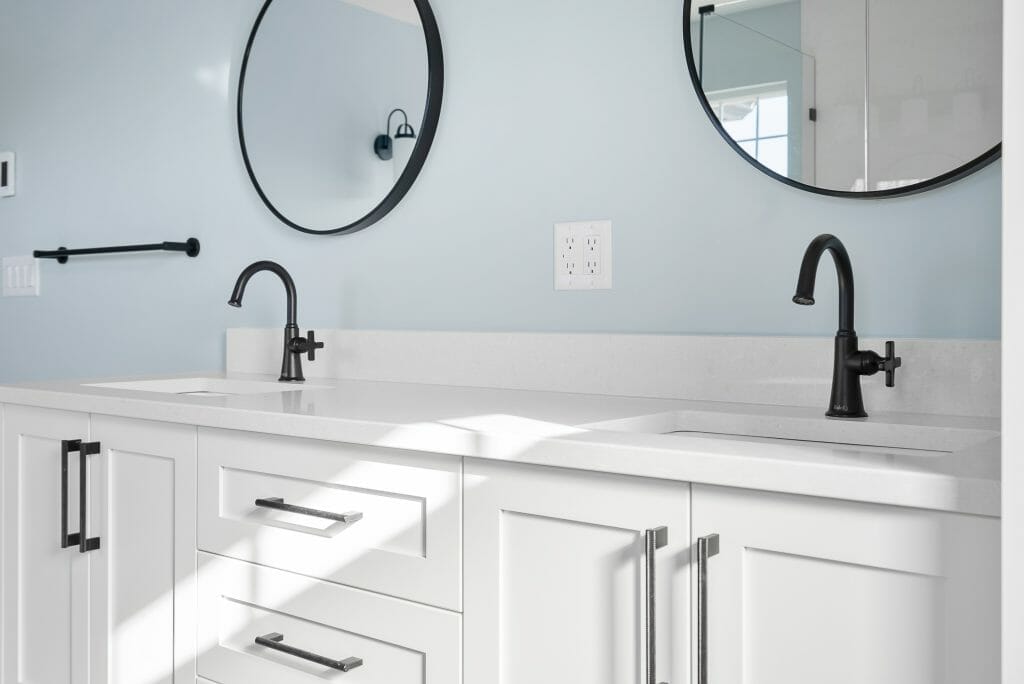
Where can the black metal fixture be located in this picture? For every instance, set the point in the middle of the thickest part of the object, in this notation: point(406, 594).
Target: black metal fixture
point(704, 10)
point(383, 145)
point(67, 540)
point(80, 539)
point(278, 504)
point(190, 247)
point(294, 345)
point(275, 641)
point(850, 363)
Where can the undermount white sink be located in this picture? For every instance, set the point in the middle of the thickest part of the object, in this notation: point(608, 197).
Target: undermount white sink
point(206, 387)
point(780, 425)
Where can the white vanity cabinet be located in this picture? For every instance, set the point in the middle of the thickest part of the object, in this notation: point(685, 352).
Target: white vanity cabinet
point(249, 558)
point(555, 581)
point(806, 590)
point(120, 609)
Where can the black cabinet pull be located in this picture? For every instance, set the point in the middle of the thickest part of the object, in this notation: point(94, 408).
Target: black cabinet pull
point(275, 641)
point(278, 504)
point(66, 447)
point(85, 450)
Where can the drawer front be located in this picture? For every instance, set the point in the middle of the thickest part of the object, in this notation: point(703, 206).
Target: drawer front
point(403, 537)
point(398, 642)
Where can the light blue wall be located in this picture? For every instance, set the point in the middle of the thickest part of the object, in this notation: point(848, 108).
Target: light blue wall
point(553, 111)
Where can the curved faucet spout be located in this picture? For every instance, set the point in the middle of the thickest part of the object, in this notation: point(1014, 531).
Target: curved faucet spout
point(809, 269)
point(294, 344)
point(273, 267)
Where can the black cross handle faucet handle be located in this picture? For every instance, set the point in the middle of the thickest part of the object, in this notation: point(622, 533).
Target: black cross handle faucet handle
point(312, 345)
point(890, 363)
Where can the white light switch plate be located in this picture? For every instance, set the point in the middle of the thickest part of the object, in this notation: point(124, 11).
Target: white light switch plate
point(6, 174)
point(21, 276)
point(583, 255)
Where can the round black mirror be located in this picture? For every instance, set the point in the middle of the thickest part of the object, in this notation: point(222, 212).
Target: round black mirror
point(852, 98)
point(338, 103)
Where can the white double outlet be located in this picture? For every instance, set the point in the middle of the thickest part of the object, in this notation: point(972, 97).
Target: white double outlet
point(583, 255)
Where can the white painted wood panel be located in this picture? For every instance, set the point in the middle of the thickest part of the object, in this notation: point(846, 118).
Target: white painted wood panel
point(399, 642)
point(407, 544)
point(810, 590)
point(44, 586)
point(142, 578)
point(554, 581)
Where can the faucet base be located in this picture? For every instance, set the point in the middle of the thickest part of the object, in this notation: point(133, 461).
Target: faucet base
point(843, 414)
point(291, 363)
point(847, 401)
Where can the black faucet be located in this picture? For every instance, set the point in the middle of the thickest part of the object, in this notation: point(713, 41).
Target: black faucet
point(294, 345)
point(850, 363)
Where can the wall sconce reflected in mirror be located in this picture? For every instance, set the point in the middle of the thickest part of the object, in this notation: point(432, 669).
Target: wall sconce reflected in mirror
point(384, 146)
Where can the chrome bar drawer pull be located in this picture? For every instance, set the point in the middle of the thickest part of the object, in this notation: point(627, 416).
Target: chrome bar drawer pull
point(706, 548)
point(653, 540)
point(275, 641)
point(278, 504)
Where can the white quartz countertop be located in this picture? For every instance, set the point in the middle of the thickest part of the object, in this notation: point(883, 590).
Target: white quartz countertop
point(944, 463)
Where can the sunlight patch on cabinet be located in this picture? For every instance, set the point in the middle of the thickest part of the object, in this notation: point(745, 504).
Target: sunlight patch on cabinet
point(807, 619)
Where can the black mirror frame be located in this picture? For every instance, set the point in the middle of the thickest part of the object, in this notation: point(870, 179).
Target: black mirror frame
point(967, 169)
point(431, 116)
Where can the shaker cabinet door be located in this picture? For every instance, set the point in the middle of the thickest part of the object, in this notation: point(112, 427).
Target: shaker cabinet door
point(555, 581)
point(45, 578)
point(805, 590)
point(102, 593)
point(142, 580)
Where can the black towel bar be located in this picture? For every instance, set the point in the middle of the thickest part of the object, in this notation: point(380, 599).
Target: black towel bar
point(190, 247)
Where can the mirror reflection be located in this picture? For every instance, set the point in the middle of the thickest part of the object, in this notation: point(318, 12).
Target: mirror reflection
point(853, 96)
point(333, 105)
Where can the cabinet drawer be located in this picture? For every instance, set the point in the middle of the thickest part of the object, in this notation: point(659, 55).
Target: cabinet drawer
point(398, 642)
point(404, 539)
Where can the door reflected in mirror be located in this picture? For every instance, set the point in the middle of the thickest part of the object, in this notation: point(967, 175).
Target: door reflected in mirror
point(853, 97)
point(337, 106)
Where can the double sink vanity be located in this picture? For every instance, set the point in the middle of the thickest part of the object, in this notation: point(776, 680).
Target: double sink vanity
point(460, 508)
point(234, 529)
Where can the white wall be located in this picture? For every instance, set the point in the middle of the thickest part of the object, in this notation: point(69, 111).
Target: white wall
point(123, 118)
point(1013, 343)
point(936, 99)
point(834, 33)
point(932, 73)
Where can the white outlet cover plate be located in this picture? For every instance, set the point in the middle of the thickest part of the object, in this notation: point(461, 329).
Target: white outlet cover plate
point(583, 255)
point(6, 174)
point(20, 276)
